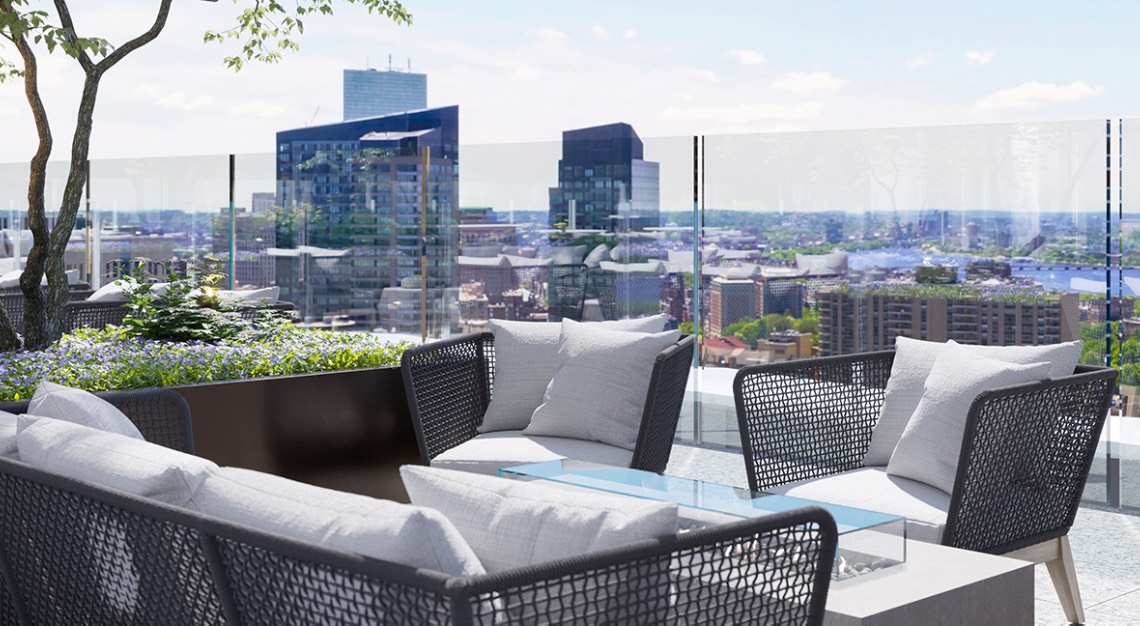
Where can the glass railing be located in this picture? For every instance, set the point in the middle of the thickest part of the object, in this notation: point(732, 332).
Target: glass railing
point(772, 246)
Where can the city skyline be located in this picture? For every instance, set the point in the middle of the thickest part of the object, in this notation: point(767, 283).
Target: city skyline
point(669, 72)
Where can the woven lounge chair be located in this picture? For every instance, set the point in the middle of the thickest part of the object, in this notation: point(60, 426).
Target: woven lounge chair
point(450, 382)
point(1024, 460)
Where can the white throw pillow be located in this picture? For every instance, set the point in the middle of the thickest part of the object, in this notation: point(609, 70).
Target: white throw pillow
point(115, 291)
point(511, 523)
point(130, 465)
point(11, 279)
point(8, 435)
point(526, 357)
point(932, 441)
point(913, 360)
point(600, 253)
point(598, 392)
point(80, 407)
point(249, 297)
point(401, 533)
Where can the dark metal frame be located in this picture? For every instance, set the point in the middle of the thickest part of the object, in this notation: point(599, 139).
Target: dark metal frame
point(73, 552)
point(450, 382)
point(1024, 461)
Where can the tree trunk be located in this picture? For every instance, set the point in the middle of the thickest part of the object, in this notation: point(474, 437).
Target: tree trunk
point(43, 317)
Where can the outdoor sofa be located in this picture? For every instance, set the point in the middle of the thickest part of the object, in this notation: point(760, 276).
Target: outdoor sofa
point(73, 551)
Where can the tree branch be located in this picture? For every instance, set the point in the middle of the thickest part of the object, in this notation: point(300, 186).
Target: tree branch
point(138, 42)
point(66, 21)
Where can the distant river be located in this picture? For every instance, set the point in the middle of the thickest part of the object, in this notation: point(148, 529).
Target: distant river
point(1057, 279)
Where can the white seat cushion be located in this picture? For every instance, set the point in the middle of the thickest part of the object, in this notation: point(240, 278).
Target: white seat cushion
point(870, 488)
point(382, 529)
point(487, 454)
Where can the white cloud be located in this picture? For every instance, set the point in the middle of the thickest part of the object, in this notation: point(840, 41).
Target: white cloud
point(599, 31)
point(179, 100)
point(527, 72)
point(746, 57)
point(1033, 95)
point(260, 108)
point(980, 57)
point(809, 82)
point(547, 33)
point(629, 33)
point(920, 61)
point(701, 74)
point(744, 112)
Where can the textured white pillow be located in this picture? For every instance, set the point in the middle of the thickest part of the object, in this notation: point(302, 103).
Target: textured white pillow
point(381, 529)
point(115, 291)
point(8, 435)
point(80, 407)
point(913, 360)
point(526, 357)
point(932, 441)
point(598, 392)
point(136, 467)
point(512, 523)
point(11, 279)
point(247, 297)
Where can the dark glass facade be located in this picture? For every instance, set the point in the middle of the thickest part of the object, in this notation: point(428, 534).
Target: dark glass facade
point(603, 175)
point(351, 208)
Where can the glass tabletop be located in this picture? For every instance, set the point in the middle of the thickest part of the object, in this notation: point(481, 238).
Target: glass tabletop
point(691, 492)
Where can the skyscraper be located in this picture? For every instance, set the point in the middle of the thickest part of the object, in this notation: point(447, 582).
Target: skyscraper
point(603, 174)
point(350, 217)
point(368, 93)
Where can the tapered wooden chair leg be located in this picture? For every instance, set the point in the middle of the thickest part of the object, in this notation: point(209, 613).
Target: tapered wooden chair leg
point(1057, 556)
point(1064, 577)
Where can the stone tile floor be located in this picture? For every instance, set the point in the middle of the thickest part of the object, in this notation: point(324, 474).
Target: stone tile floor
point(1106, 546)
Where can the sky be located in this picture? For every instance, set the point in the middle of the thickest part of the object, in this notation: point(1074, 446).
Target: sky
point(525, 71)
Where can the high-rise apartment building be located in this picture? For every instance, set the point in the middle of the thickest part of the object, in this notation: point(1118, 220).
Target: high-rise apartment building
point(730, 300)
point(864, 318)
point(604, 182)
point(352, 204)
point(368, 93)
point(784, 296)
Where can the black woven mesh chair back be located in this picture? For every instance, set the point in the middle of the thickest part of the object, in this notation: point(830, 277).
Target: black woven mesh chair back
point(450, 382)
point(1025, 457)
point(567, 292)
point(808, 418)
point(73, 553)
point(1024, 466)
point(83, 314)
point(161, 415)
point(602, 284)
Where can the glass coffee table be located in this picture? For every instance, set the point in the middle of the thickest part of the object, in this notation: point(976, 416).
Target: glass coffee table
point(868, 540)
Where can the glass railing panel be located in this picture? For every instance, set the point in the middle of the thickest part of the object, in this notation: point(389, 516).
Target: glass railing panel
point(869, 220)
point(147, 212)
point(245, 235)
point(15, 238)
